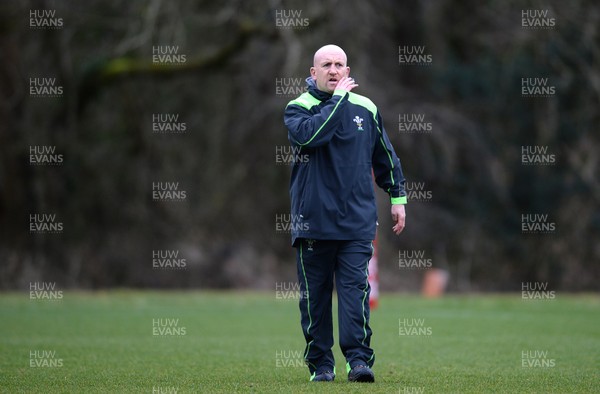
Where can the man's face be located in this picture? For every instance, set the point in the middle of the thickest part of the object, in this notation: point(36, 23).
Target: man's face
point(329, 67)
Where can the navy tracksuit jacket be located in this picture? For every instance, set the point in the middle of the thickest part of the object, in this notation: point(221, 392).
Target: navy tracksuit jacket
point(341, 140)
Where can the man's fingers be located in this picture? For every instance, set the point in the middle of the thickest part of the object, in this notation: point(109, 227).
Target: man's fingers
point(398, 228)
point(346, 83)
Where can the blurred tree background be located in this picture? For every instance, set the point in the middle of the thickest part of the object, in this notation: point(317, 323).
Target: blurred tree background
point(225, 160)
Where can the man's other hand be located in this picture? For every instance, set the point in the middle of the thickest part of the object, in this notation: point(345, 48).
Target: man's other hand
point(399, 218)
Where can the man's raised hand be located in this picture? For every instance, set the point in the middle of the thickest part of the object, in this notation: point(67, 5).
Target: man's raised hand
point(346, 83)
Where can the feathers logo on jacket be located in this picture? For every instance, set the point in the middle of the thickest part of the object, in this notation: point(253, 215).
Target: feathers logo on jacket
point(358, 122)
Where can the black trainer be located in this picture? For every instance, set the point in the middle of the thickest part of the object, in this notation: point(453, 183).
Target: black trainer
point(326, 376)
point(361, 373)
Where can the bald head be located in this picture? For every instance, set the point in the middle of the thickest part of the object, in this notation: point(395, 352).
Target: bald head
point(329, 67)
point(327, 51)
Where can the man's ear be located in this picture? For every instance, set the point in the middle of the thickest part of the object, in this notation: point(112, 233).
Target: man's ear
point(313, 73)
point(347, 71)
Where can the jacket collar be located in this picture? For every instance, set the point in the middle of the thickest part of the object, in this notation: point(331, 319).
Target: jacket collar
point(316, 93)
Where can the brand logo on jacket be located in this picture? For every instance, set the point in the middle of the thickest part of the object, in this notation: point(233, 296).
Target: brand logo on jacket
point(358, 122)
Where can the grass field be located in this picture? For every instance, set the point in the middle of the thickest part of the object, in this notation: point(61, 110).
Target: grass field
point(251, 342)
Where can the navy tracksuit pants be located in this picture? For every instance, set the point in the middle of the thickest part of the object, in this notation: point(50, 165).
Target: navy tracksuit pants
point(319, 262)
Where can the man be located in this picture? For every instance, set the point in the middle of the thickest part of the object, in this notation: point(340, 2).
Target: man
point(341, 135)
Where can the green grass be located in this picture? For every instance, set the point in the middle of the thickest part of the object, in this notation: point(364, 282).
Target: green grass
point(106, 344)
